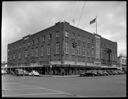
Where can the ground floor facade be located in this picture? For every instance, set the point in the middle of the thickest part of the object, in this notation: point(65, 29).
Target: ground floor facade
point(60, 69)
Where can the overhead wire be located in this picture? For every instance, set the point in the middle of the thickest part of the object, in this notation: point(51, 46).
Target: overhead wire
point(74, 19)
point(81, 14)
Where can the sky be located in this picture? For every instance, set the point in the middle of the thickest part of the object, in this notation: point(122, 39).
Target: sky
point(20, 18)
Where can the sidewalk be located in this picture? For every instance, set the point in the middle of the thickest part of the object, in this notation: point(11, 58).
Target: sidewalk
point(59, 75)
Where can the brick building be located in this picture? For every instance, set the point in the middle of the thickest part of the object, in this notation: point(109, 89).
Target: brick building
point(122, 63)
point(62, 45)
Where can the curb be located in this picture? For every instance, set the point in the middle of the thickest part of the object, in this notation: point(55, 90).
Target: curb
point(59, 76)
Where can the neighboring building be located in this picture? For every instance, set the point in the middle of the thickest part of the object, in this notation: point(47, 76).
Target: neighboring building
point(62, 45)
point(122, 63)
point(4, 67)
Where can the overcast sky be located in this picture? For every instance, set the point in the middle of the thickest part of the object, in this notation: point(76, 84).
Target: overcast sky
point(22, 18)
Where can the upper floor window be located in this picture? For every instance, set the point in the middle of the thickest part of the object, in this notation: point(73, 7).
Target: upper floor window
point(78, 42)
point(42, 50)
point(26, 53)
point(88, 52)
point(66, 34)
point(84, 49)
point(92, 40)
point(29, 44)
point(36, 52)
point(78, 37)
point(48, 50)
point(79, 50)
point(19, 55)
point(32, 42)
point(57, 48)
point(14, 56)
point(8, 50)
point(92, 52)
point(66, 48)
point(32, 52)
point(88, 40)
point(37, 41)
point(43, 38)
point(57, 34)
point(73, 51)
point(49, 36)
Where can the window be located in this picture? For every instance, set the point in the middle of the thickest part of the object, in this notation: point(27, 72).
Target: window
point(84, 44)
point(9, 58)
point(19, 55)
point(92, 52)
point(92, 40)
point(73, 51)
point(8, 50)
point(13, 56)
point(78, 42)
point(49, 36)
point(83, 51)
point(36, 52)
point(57, 34)
point(48, 50)
point(79, 51)
point(37, 41)
point(88, 52)
point(26, 53)
point(66, 33)
point(66, 50)
point(32, 52)
point(43, 38)
point(89, 40)
point(79, 37)
point(29, 44)
point(32, 42)
point(57, 48)
point(42, 51)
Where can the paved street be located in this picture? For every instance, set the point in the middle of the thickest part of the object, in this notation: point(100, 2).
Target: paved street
point(46, 86)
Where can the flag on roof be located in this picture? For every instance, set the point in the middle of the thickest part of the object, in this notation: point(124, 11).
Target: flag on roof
point(92, 21)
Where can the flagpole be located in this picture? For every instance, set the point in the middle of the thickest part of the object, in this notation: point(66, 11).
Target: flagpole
point(96, 24)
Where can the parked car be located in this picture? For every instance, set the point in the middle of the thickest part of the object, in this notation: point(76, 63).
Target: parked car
point(3, 72)
point(100, 73)
point(82, 74)
point(26, 73)
point(12, 72)
point(120, 72)
point(114, 72)
point(21, 72)
point(109, 72)
point(95, 73)
point(105, 73)
point(34, 73)
point(91, 73)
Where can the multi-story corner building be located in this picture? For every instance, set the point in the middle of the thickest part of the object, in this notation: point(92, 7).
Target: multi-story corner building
point(122, 63)
point(62, 45)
